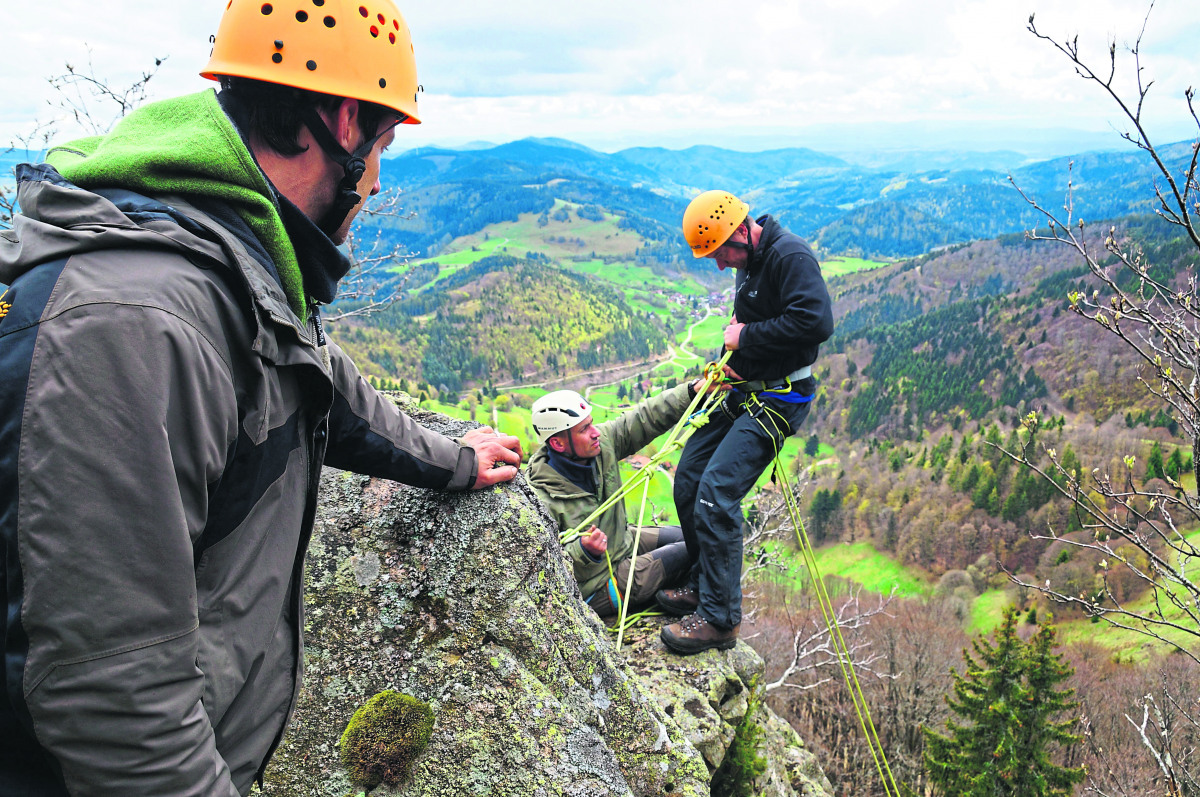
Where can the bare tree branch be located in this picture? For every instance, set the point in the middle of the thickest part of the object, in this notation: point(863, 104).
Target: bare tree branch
point(372, 283)
point(813, 651)
point(1135, 530)
point(91, 101)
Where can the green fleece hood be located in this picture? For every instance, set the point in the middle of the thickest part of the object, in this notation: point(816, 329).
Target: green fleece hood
point(189, 147)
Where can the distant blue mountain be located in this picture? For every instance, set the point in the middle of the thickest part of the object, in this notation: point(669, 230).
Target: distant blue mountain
point(895, 205)
point(701, 168)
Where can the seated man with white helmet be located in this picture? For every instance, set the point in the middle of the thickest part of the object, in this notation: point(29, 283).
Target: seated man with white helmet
point(577, 468)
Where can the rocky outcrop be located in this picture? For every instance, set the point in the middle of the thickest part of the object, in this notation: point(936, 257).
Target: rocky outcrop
point(466, 603)
point(708, 697)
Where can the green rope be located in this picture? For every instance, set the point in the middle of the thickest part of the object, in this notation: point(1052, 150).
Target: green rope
point(637, 541)
point(634, 619)
point(845, 661)
point(690, 419)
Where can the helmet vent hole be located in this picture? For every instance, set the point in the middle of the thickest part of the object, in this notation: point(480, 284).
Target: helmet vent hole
point(279, 44)
point(267, 9)
point(330, 22)
point(318, 3)
point(277, 57)
point(302, 16)
point(375, 31)
point(396, 24)
point(382, 83)
point(363, 10)
point(312, 66)
point(392, 38)
point(382, 19)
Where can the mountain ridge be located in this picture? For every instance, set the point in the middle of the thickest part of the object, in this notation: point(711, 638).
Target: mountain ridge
point(959, 197)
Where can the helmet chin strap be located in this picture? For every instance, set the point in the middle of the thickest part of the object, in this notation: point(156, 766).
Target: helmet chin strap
point(748, 246)
point(353, 165)
point(570, 452)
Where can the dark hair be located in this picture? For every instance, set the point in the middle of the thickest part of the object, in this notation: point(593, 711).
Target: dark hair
point(271, 112)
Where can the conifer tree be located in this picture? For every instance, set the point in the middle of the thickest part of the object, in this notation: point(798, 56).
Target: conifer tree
point(1045, 671)
point(1154, 462)
point(812, 445)
point(1007, 698)
point(1174, 465)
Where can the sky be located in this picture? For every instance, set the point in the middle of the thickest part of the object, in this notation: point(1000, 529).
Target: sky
point(833, 75)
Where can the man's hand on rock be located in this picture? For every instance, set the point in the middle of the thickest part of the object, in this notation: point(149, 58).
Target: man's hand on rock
point(496, 456)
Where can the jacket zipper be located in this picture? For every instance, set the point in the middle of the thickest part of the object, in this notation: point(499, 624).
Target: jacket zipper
point(316, 445)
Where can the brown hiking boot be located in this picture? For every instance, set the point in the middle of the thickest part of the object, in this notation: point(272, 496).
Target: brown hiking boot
point(694, 634)
point(679, 602)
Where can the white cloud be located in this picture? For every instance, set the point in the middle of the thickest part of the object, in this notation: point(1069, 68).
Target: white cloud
point(624, 72)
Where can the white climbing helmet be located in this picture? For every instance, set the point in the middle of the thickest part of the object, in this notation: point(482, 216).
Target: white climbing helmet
point(558, 411)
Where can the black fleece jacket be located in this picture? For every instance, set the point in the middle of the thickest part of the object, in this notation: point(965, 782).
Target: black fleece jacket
point(782, 300)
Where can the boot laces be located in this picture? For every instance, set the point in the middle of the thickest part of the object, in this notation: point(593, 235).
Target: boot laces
point(692, 622)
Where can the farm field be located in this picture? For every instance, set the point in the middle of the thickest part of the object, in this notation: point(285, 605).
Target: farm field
point(857, 563)
point(840, 266)
point(557, 240)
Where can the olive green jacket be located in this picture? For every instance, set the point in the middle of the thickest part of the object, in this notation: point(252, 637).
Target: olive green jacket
point(619, 438)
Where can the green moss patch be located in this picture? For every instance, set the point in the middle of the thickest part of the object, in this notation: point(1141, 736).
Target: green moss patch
point(384, 737)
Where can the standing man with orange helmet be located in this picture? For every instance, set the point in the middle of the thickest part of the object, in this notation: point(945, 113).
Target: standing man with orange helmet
point(781, 313)
point(168, 398)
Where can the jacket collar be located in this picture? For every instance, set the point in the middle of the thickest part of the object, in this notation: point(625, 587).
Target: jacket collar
point(542, 475)
point(580, 474)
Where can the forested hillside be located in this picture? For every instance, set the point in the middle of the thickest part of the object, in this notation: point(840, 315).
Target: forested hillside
point(934, 364)
point(498, 320)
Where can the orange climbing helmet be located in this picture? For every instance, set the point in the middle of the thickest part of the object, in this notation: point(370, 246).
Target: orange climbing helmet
point(710, 219)
point(358, 49)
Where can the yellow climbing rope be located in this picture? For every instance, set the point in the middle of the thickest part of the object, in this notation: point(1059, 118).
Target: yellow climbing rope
point(845, 662)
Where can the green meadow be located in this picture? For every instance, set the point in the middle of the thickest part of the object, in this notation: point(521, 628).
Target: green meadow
point(987, 610)
point(856, 563)
point(840, 266)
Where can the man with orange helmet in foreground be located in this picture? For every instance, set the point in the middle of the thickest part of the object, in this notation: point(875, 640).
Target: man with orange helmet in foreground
point(781, 313)
point(168, 398)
